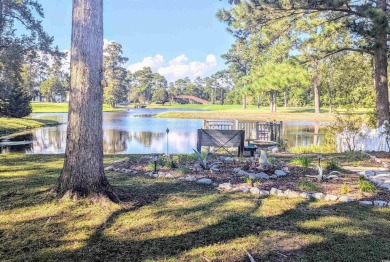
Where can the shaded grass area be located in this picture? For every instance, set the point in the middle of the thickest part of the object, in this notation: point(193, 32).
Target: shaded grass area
point(13, 125)
point(236, 112)
point(44, 107)
point(169, 220)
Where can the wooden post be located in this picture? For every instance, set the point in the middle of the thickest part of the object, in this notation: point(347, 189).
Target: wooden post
point(199, 142)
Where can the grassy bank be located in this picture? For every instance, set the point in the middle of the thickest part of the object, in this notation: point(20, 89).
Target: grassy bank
point(14, 125)
point(42, 107)
point(236, 112)
point(171, 220)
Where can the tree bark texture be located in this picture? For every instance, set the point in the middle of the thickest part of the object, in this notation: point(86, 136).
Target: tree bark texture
point(273, 102)
point(380, 67)
point(244, 101)
point(83, 172)
point(317, 103)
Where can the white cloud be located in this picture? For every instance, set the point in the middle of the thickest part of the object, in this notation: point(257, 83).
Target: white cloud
point(178, 67)
point(154, 62)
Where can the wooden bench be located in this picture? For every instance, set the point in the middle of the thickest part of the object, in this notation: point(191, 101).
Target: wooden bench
point(221, 139)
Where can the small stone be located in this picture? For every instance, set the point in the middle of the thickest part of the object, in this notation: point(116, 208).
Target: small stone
point(214, 184)
point(264, 193)
point(228, 159)
point(225, 186)
point(305, 195)
point(291, 194)
point(273, 177)
point(243, 173)
point(109, 168)
point(345, 199)
point(275, 150)
point(190, 178)
point(318, 196)
point(155, 175)
point(244, 188)
point(262, 175)
point(286, 170)
point(369, 173)
point(369, 203)
point(169, 175)
point(279, 173)
point(134, 172)
point(236, 170)
point(275, 191)
point(205, 181)
point(380, 203)
point(281, 194)
point(331, 197)
point(255, 191)
point(161, 174)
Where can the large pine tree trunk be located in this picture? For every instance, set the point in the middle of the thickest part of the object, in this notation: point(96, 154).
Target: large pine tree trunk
point(317, 103)
point(83, 172)
point(380, 67)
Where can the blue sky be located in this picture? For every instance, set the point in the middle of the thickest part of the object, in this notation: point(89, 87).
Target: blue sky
point(176, 37)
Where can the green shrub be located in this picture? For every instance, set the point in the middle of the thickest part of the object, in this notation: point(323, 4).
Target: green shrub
point(185, 159)
point(332, 165)
point(308, 186)
point(303, 161)
point(184, 170)
point(345, 189)
point(366, 186)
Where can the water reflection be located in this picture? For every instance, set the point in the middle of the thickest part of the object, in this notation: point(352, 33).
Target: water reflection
point(137, 131)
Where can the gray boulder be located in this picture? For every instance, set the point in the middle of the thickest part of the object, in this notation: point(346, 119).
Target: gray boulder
point(262, 175)
point(279, 173)
point(205, 181)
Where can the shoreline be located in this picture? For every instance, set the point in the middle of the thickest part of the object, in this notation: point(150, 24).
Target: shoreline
point(11, 126)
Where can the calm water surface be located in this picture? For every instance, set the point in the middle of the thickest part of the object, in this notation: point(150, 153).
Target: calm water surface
point(138, 131)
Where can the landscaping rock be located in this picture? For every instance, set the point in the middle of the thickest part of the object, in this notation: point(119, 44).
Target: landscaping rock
point(190, 178)
point(305, 195)
point(291, 194)
point(205, 181)
point(215, 184)
point(273, 177)
point(369, 173)
point(225, 186)
point(286, 170)
point(243, 173)
point(275, 150)
point(244, 188)
point(109, 168)
point(318, 196)
point(331, 197)
point(262, 175)
point(255, 191)
point(380, 203)
point(264, 193)
point(236, 170)
point(169, 175)
point(155, 175)
point(345, 199)
point(228, 159)
point(275, 191)
point(368, 203)
point(279, 173)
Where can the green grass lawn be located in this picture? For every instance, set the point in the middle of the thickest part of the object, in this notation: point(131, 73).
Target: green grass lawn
point(170, 220)
point(43, 107)
point(236, 112)
point(14, 125)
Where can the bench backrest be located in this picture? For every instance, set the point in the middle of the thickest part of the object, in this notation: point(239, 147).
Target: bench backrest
point(225, 138)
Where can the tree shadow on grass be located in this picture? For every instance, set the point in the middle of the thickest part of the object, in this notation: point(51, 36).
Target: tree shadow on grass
point(336, 242)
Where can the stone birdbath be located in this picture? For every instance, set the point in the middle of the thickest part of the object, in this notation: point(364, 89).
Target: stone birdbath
point(263, 146)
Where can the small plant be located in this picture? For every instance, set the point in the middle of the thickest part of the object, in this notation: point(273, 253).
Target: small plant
point(204, 161)
point(345, 189)
point(365, 185)
point(308, 186)
point(184, 170)
point(150, 166)
point(302, 161)
point(332, 166)
point(251, 181)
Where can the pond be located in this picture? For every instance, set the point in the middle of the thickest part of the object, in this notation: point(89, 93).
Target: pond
point(138, 131)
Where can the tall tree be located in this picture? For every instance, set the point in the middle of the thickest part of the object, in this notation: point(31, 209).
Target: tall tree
point(83, 172)
point(115, 90)
point(367, 21)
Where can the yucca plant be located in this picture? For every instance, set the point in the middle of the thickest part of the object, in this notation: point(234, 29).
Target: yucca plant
point(204, 162)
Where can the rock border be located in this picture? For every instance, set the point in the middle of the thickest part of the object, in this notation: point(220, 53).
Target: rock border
point(228, 187)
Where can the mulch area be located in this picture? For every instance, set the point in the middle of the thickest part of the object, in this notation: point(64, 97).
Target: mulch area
point(291, 181)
